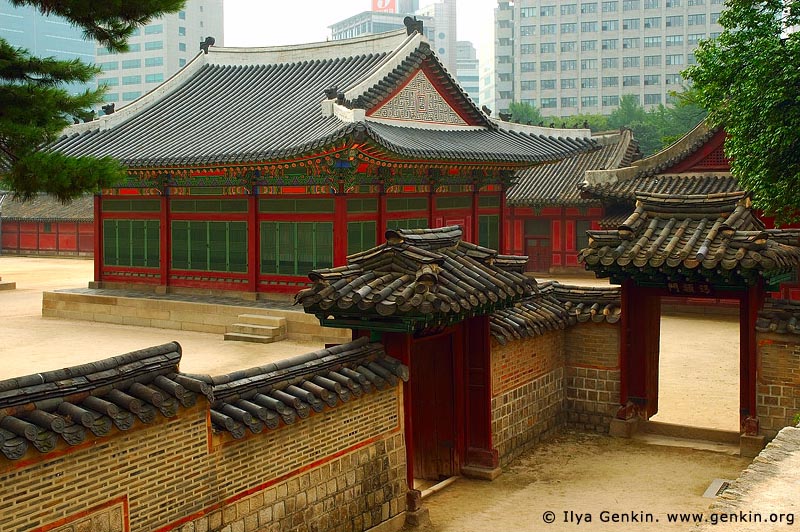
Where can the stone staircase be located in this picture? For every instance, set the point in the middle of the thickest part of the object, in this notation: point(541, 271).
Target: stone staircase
point(257, 328)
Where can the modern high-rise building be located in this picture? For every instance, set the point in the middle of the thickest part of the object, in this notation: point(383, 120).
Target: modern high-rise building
point(45, 36)
point(581, 57)
point(158, 50)
point(438, 23)
point(468, 70)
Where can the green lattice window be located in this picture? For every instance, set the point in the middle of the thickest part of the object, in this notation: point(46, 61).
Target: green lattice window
point(310, 205)
point(208, 205)
point(492, 200)
point(131, 205)
point(489, 231)
point(360, 236)
point(453, 202)
point(406, 204)
point(295, 248)
point(131, 243)
point(407, 223)
point(362, 205)
point(209, 246)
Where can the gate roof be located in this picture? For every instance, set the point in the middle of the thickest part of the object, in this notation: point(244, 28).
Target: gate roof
point(714, 238)
point(417, 279)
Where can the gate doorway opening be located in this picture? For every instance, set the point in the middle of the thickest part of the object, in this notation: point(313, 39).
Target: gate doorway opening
point(699, 369)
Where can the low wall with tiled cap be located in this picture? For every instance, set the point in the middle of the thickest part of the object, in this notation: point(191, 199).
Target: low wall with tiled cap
point(171, 466)
point(343, 468)
point(527, 392)
point(592, 377)
point(778, 381)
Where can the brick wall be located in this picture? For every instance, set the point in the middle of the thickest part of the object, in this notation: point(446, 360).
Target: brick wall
point(592, 375)
point(778, 385)
point(527, 392)
point(340, 469)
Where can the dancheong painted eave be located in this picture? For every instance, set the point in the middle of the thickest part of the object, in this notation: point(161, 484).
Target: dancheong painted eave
point(261, 105)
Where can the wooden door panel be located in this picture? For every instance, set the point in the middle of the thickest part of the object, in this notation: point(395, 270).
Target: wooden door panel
point(433, 408)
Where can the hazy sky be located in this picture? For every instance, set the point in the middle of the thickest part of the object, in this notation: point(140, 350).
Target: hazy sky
point(277, 22)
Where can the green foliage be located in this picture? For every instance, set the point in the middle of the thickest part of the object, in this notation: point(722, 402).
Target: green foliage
point(749, 79)
point(35, 108)
point(593, 122)
point(525, 113)
point(654, 129)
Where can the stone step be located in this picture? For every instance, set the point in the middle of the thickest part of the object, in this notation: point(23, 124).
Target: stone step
point(262, 319)
point(260, 330)
point(8, 285)
point(255, 338)
point(689, 433)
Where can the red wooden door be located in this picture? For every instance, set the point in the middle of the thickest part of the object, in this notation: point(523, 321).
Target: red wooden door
point(433, 408)
point(538, 251)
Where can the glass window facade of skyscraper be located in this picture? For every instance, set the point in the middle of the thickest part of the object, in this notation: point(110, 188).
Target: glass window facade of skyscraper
point(45, 36)
point(615, 48)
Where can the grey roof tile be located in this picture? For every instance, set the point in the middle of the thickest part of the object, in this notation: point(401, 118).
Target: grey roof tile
point(47, 209)
point(694, 235)
point(429, 275)
point(235, 105)
point(557, 183)
point(555, 306)
point(262, 397)
point(43, 408)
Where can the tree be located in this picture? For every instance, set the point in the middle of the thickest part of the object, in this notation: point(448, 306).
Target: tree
point(749, 80)
point(525, 113)
point(35, 108)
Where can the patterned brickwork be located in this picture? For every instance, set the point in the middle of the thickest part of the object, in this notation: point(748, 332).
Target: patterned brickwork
point(169, 473)
point(109, 518)
point(592, 375)
point(778, 386)
point(519, 362)
point(527, 392)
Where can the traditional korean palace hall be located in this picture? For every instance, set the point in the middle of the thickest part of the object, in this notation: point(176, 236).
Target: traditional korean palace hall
point(251, 167)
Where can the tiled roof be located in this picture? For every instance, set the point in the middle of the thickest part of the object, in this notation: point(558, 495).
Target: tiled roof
point(682, 184)
point(46, 410)
point(497, 144)
point(555, 306)
point(653, 174)
point(779, 316)
point(557, 183)
point(427, 275)
point(47, 208)
point(263, 397)
point(238, 105)
point(704, 235)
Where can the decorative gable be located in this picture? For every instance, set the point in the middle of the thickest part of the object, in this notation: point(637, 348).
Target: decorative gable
point(418, 101)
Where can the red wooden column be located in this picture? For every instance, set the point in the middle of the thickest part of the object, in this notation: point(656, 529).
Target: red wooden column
point(253, 242)
point(431, 204)
point(749, 305)
point(380, 227)
point(165, 234)
point(476, 226)
point(98, 237)
point(340, 227)
point(505, 232)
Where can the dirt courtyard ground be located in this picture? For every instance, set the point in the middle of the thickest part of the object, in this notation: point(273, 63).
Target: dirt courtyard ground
point(585, 474)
